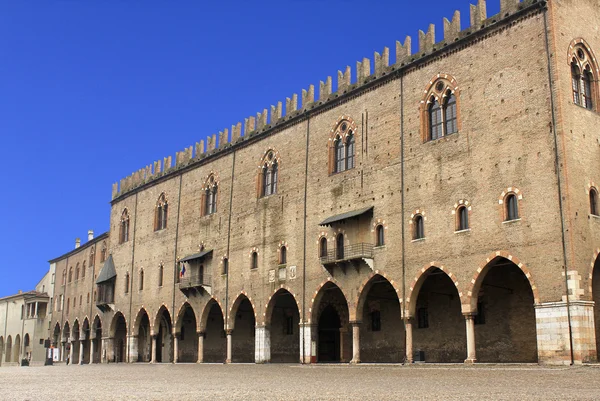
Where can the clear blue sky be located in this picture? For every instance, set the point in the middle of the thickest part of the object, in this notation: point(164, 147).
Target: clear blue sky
point(93, 90)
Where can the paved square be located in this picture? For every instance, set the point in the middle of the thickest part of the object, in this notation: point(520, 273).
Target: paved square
point(297, 382)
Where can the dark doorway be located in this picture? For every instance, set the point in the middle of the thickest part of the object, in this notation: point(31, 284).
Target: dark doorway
point(329, 335)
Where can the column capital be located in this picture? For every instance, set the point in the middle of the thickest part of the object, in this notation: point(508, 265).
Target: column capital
point(201, 333)
point(229, 332)
point(469, 315)
point(355, 322)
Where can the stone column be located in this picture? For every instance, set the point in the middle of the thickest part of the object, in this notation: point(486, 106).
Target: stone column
point(471, 354)
point(106, 346)
point(175, 346)
point(62, 352)
point(80, 352)
point(71, 347)
point(36, 310)
point(343, 332)
point(308, 343)
point(262, 344)
point(153, 360)
point(200, 347)
point(132, 353)
point(91, 351)
point(229, 333)
point(408, 326)
point(355, 342)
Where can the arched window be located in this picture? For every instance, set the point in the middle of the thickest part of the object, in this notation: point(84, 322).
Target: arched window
point(92, 256)
point(70, 274)
point(380, 235)
point(88, 298)
point(77, 271)
point(339, 246)
point(512, 207)
point(161, 271)
point(254, 260)
point(323, 247)
point(269, 174)
point(126, 283)
point(141, 279)
point(593, 202)
point(83, 270)
point(209, 197)
point(162, 210)
point(225, 266)
point(124, 227)
point(103, 252)
point(342, 146)
point(68, 305)
point(462, 219)
point(583, 67)
point(64, 277)
point(419, 227)
point(283, 255)
point(439, 108)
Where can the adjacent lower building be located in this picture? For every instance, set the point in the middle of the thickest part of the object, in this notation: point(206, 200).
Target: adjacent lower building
point(440, 208)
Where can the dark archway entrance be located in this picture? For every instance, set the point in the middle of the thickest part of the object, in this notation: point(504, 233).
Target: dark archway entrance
point(215, 341)
point(505, 329)
point(283, 318)
point(8, 349)
point(243, 332)
point(144, 340)
point(188, 336)
point(382, 329)
point(334, 339)
point(164, 339)
point(119, 334)
point(1, 349)
point(596, 299)
point(439, 331)
point(97, 340)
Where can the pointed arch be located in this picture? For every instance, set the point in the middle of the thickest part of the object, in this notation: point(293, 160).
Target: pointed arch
point(156, 321)
point(318, 295)
point(440, 108)
point(243, 295)
point(268, 314)
point(417, 283)
point(180, 314)
point(341, 145)
point(364, 289)
point(268, 173)
point(209, 194)
point(161, 212)
point(203, 320)
point(114, 322)
point(585, 73)
point(124, 227)
point(138, 319)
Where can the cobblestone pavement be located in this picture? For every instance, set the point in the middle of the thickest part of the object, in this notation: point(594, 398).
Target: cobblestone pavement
point(297, 382)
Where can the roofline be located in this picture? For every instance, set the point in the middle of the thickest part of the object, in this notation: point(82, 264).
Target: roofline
point(27, 294)
point(81, 248)
point(467, 38)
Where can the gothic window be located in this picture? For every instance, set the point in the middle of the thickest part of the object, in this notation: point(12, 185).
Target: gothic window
point(83, 270)
point(77, 271)
point(162, 210)
point(380, 235)
point(339, 246)
point(92, 255)
point(269, 174)
point(209, 196)
point(440, 116)
point(282, 255)
point(462, 219)
point(342, 146)
point(124, 227)
point(512, 207)
point(141, 279)
point(160, 275)
point(422, 318)
point(419, 227)
point(126, 283)
point(225, 266)
point(254, 260)
point(70, 274)
point(593, 202)
point(583, 70)
point(64, 277)
point(103, 252)
point(323, 247)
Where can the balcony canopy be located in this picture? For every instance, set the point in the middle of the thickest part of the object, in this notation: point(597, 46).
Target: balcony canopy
point(197, 256)
point(108, 271)
point(345, 216)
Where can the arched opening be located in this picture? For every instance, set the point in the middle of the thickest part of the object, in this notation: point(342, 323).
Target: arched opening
point(380, 235)
point(17, 349)
point(119, 337)
point(97, 340)
point(164, 339)
point(1, 350)
point(505, 329)
point(75, 338)
point(144, 340)
point(215, 342)
point(596, 299)
point(85, 337)
point(382, 329)
point(56, 336)
point(439, 333)
point(323, 247)
point(339, 246)
point(512, 208)
point(8, 349)
point(66, 341)
point(26, 346)
point(283, 318)
point(187, 336)
point(334, 339)
point(593, 202)
point(243, 325)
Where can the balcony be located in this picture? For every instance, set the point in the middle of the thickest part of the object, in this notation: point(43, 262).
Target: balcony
point(196, 282)
point(353, 255)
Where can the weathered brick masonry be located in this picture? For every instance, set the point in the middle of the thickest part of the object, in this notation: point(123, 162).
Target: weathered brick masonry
point(457, 248)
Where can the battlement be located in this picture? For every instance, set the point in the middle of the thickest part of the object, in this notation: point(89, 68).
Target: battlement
point(364, 74)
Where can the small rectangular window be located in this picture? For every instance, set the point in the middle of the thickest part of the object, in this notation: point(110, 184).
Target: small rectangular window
point(422, 318)
point(376, 320)
point(289, 325)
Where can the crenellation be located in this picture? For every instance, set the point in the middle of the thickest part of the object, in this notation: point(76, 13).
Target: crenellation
point(363, 70)
point(291, 105)
point(508, 6)
point(276, 113)
point(211, 143)
point(478, 14)
point(115, 190)
point(325, 89)
point(403, 51)
point(452, 28)
point(249, 125)
point(157, 166)
point(236, 132)
point(382, 61)
point(199, 150)
point(344, 80)
point(223, 138)
point(167, 163)
point(308, 96)
point(261, 119)
point(427, 40)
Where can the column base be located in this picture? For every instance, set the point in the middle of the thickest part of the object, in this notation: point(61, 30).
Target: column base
point(355, 362)
point(227, 361)
point(470, 361)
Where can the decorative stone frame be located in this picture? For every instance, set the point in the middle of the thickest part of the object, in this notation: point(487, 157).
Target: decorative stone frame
point(448, 85)
point(587, 63)
point(222, 265)
point(267, 162)
point(377, 223)
point(212, 180)
point(322, 234)
point(234, 308)
point(503, 207)
point(161, 203)
point(411, 224)
point(287, 248)
point(252, 251)
point(458, 205)
point(336, 130)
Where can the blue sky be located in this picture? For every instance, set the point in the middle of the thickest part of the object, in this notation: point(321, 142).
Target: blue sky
point(93, 90)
